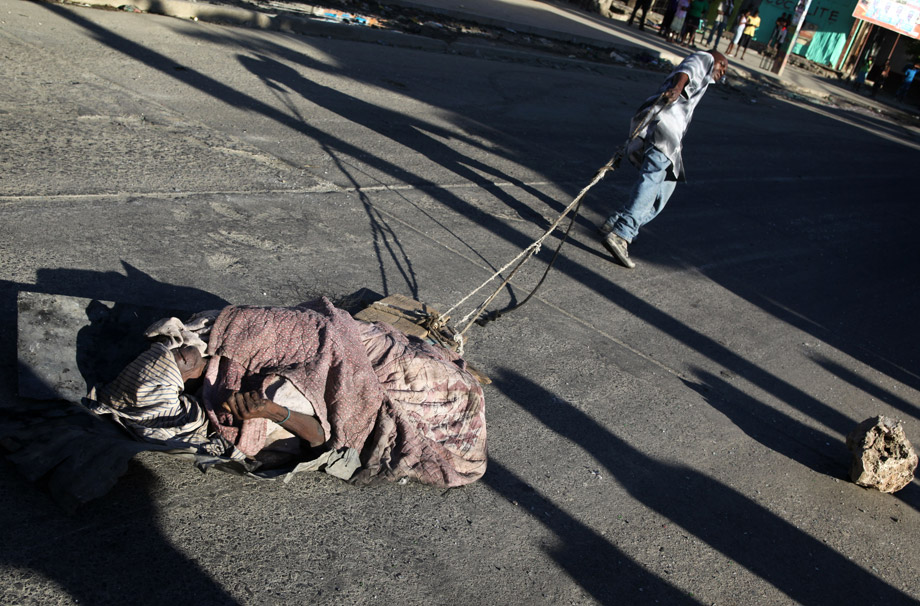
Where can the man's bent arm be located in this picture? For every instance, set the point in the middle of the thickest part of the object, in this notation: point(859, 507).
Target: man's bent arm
point(251, 405)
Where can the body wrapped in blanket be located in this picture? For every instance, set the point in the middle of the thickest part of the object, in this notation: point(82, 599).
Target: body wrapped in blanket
point(408, 409)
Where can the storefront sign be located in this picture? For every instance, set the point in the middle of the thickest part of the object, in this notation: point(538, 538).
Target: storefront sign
point(902, 16)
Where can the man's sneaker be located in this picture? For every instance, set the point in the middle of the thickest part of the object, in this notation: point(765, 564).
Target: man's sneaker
point(605, 228)
point(617, 247)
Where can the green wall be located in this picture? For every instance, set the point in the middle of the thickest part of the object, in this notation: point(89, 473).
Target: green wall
point(829, 20)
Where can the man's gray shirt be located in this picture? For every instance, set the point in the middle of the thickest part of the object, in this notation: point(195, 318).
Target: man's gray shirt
point(667, 130)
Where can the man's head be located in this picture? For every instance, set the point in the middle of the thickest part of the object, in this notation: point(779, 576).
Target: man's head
point(720, 65)
point(190, 362)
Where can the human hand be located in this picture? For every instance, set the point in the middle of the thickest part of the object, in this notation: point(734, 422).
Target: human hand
point(249, 405)
point(678, 83)
point(672, 94)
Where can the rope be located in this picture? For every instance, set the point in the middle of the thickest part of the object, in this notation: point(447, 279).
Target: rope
point(436, 323)
point(531, 250)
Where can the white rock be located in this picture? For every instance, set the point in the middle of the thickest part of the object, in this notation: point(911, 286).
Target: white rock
point(883, 458)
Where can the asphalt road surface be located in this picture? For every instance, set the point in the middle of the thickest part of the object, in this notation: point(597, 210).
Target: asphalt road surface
point(672, 434)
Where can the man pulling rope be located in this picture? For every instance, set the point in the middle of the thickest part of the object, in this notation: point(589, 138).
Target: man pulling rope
point(654, 146)
point(656, 150)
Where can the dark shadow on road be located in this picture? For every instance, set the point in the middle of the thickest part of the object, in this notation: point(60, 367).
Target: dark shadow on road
point(810, 447)
point(421, 137)
point(108, 553)
point(910, 494)
point(871, 389)
point(592, 561)
point(75, 454)
point(416, 135)
point(809, 275)
point(885, 96)
point(775, 297)
point(731, 523)
point(777, 431)
point(132, 286)
point(843, 109)
point(796, 564)
point(385, 238)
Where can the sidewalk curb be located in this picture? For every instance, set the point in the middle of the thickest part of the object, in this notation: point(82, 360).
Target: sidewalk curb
point(517, 27)
point(244, 17)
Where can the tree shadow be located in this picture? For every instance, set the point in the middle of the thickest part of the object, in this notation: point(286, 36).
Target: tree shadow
point(77, 455)
point(802, 268)
point(109, 551)
point(870, 388)
point(591, 560)
point(414, 134)
point(795, 563)
point(785, 304)
point(417, 135)
point(385, 238)
point(426, 139)
point(810, 447)
point(819, 451)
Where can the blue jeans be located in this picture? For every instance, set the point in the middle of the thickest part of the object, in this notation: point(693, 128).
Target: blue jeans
point(648, 197)
point(716, 32)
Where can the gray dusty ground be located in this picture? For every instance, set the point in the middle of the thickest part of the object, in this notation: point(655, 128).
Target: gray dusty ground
point(669, 435)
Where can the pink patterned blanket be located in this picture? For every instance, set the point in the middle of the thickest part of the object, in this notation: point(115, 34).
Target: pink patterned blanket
point(410, 409)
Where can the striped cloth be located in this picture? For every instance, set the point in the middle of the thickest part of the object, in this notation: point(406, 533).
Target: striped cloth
point(147, 399)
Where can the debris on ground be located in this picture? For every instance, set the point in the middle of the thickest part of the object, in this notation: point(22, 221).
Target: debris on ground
point(338, 16)
point(422, 23)
point(883, 458)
